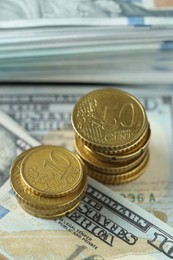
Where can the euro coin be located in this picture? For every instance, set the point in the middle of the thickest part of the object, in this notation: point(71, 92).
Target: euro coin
point(51, 171)
point(120, 178)
point(106, 167)
point(48, 207)
point(112, 135)
point(109, 120)
point(129, 154)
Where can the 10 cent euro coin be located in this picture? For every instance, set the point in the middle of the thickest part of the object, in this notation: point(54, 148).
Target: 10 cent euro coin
point(48, 181)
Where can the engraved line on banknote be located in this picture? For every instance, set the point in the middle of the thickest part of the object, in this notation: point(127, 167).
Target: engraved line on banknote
point(88, 216)
point(91, 227)
point(123, 211)
point(104, 228)
point(162, 242)
point(119, 209)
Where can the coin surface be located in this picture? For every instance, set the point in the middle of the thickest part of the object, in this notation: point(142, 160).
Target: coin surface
point(129, 154)
point(40, 206)
point(94, 163)
point(109, 120)
point(49, 214)
point(120, 178)
point(51, 171)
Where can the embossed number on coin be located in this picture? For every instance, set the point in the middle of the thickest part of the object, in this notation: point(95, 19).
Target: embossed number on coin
point(109, 119)
point(51, 171)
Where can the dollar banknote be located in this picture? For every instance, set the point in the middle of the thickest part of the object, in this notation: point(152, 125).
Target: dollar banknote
point(91, 12)
point(104, 226)
point(45, 113)
point(14, 140)
point(104, 222)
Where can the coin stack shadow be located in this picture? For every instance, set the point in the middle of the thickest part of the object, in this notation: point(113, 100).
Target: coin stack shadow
point(113, 146)
point(48, 181)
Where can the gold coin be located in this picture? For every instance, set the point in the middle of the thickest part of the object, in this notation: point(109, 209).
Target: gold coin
point(103, 166)
point(134, 147)
point(51, 171)
point(120, 178)
point(109, 120)
point(41, 206)
point(129, 154)
point(47, 214)
point(117, 170)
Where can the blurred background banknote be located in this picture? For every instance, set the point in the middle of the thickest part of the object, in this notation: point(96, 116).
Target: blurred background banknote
point(122, 41)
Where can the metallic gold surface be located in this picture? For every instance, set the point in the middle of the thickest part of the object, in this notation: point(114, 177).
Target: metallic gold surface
point(112, 135)
point(47, 214)
point(118, 157)
point(109, 120)
point(41, 206)
point(120, 178)
point(51, 171)
point(106, 167)
point(117, 170)
point(129, 154)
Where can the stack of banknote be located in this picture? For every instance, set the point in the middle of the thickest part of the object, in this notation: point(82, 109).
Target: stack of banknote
point(98, 41)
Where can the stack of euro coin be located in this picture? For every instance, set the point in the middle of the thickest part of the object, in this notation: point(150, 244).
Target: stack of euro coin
point(112, 134)
point(48, 181)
